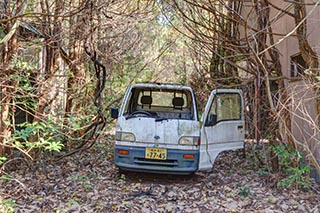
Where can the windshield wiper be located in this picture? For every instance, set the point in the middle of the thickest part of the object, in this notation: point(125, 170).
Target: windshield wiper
point(130, 116)
point(137, 116)
point(160, 119)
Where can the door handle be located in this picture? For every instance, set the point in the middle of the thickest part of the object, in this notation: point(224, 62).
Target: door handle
point(240, 127)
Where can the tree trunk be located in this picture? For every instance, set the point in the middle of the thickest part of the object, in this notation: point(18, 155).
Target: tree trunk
point(7, 94)
point(7, 86)
point(53, 27)
point(46, 78)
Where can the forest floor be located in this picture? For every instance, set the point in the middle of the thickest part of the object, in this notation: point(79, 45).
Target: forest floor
point(89, 182)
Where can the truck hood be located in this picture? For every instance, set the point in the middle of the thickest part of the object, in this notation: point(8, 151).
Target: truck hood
point(158, 132)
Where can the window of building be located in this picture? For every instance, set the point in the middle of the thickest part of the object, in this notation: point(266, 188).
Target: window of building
point(297, 66)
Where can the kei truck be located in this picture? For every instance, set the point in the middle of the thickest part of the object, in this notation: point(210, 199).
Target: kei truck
point(158, 129)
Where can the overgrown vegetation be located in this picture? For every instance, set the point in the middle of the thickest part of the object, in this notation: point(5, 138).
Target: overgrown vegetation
point(7, 205)
point(297, 172)
point(64, 64)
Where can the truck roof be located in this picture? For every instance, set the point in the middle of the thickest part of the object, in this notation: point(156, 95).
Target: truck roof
point(161, 86)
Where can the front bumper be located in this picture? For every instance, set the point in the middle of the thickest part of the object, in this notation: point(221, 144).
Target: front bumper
point(174, 164)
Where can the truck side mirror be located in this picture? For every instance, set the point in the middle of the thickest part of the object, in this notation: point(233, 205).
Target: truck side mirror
point(114, 113)
point(212, 120)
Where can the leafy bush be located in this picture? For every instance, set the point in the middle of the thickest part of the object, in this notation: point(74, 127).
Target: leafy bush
point(2, 159)
point(7, 206)
point(47, 135)
point(290, 162)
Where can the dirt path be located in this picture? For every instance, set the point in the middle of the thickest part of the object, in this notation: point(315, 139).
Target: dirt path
point(90, 183)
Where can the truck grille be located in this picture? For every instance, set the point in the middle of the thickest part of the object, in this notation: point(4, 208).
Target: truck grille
point(164, 163)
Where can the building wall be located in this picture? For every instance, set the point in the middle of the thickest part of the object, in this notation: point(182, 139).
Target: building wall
point(303, 104)
point(302, 96)
point(284, 24)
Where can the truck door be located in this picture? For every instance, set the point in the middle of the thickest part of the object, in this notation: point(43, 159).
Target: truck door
point(223, 125)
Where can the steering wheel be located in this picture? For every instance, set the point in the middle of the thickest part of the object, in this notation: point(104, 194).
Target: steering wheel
point(143, 112)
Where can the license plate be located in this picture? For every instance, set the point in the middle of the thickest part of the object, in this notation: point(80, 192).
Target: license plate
point(156, 153)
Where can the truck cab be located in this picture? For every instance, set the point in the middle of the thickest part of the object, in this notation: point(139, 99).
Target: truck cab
point(158, 129)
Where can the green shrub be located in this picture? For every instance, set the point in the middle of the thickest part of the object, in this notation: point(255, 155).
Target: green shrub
point(47, 134)
point(7, 205)
point(290, 162)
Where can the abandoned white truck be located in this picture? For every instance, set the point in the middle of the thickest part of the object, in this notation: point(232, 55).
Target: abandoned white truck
point(158, 129)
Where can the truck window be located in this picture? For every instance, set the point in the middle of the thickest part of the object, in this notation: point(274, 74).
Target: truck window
point(164, 99)
point(226, 106)
point(171, 104)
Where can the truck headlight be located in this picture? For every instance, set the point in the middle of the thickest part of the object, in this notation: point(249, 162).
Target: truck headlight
point(189, 140)
point(125, 136)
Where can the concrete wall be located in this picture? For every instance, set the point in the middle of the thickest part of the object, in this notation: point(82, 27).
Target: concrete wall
point(302, 96)
point(304, 128)
point(284, 24)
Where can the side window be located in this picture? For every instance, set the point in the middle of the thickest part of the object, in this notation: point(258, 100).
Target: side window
point(297, 66)
point(226, 107)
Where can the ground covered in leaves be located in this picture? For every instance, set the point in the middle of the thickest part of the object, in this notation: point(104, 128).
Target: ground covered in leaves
point(89, 182)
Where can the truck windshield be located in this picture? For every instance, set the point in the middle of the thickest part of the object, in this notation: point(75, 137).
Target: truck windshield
point(163, 104)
